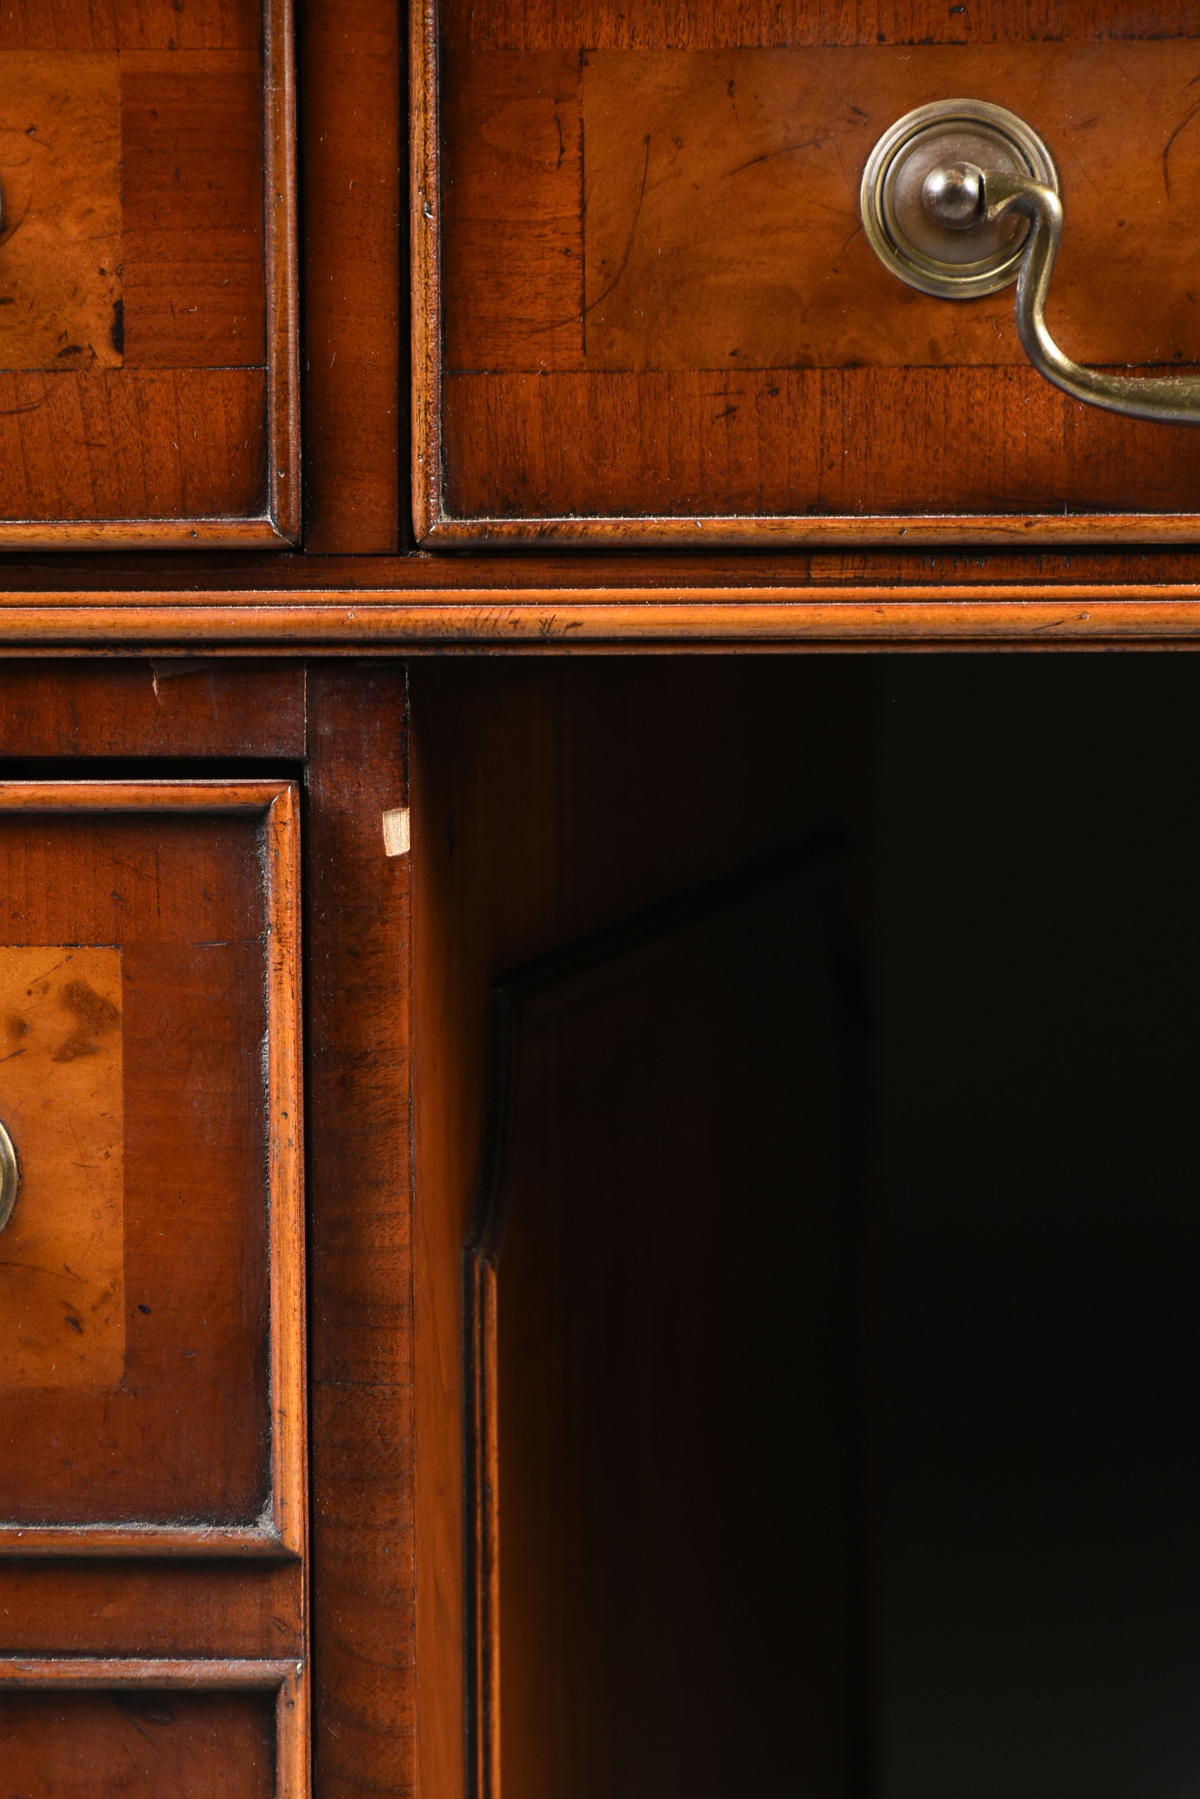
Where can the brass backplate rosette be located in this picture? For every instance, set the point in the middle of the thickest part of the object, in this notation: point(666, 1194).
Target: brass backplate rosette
point(955, 265)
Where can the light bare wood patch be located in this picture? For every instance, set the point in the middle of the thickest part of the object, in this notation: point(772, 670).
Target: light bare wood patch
point(60, 224)
point(62, 1254)
point(721, 216)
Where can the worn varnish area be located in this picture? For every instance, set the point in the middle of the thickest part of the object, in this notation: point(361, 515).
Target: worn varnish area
point(141, 1744)
point(62, 1286)
point(60, 228)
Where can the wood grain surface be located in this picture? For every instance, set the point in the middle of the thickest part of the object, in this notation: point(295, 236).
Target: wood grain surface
point(115, 445)
point(714, 25)
point(152, 1608)
point(131, 25)
point(181, 706)
point(993, 445)
point(674, 1246)
point(357, 925)
point(356, 482)
point(192, 209)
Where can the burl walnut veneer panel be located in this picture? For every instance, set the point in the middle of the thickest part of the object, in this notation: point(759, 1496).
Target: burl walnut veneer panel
point(663, 322)
point(147, 328)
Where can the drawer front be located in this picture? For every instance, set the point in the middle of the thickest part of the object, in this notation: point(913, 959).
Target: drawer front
point(147, 306)
point(648, 310)
point(151, 1272)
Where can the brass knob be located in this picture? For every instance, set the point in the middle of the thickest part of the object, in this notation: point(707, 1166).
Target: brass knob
point(10, 1177)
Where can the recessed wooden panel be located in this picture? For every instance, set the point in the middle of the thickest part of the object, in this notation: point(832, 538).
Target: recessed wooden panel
point(194, 1420)
point(668, 1573)
point(660, 308)
point(147, 276)
point(205, 1727)
point(143, 1743)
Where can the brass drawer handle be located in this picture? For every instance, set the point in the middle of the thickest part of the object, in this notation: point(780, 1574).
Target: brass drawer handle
point(961, 198)
point(10, 1177)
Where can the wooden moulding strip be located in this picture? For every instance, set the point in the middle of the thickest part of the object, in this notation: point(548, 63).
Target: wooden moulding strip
point(279, 237)
point(286, 1679)
point(578, 620)
point(425, 233)
point(285, 1162)
point(282, 1532)
point(242, 1543)
point(804, 531)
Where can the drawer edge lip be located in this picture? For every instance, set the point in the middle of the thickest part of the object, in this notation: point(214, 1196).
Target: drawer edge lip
point(78, 535)
point(197, 1673)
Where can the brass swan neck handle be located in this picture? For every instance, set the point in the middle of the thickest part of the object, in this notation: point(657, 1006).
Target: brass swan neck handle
point(10, 1177)
point(963, 196)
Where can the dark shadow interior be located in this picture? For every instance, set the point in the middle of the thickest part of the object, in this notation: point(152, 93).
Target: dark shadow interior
point(1037, 1192)
point(845, 1355)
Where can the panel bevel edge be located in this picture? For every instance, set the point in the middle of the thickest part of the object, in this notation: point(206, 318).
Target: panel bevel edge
point(284, 1537)
point(258, 531)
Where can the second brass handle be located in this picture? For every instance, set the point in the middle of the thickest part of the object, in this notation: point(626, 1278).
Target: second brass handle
point(961, 196)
